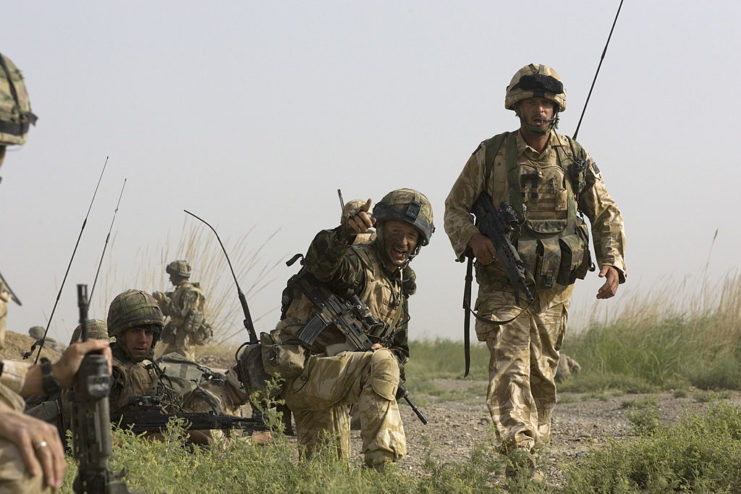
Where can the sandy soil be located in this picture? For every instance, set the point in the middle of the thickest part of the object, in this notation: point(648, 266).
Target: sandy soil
point(580, 422)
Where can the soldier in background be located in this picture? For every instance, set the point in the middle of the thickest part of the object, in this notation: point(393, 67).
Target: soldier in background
point(185, 307)
point(37, 333)
point(96, 328)
point(549, 180)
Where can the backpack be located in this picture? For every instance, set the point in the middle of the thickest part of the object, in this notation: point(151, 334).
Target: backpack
point(15, 107)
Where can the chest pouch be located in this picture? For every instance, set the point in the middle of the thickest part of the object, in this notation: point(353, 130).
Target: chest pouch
point(575, 257)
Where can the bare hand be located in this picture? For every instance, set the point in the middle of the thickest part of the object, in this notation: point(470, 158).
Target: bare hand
point(361, 221)
point(66, 367)
point(38, 443)
point(612, 281)
point(483, 248)
point(376, 346)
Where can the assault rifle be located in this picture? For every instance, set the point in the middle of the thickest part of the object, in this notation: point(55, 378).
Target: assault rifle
point(351, 317)
point(145, 414)
point(91, 427)
point(496, 225)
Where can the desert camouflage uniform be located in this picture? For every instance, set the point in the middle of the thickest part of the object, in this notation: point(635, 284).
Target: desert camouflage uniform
point(332, 379)
point(4, 299)
point(525, 352)
point(14, 477)
point(185, 306)
point(131, 377)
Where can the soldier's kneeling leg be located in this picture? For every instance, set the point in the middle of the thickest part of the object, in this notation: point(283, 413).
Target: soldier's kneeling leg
point(381, 427)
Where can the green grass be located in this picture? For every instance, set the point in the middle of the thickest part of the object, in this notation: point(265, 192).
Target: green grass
point(665, 343)
point(655, 345)
point(701, 453)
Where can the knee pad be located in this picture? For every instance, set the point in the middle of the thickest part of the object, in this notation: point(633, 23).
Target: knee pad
point(384, 374)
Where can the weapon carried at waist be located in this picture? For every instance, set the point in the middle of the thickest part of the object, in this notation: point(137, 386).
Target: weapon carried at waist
point(496, 225)
point(91, 427)
point(145, 414)
point(351, 317)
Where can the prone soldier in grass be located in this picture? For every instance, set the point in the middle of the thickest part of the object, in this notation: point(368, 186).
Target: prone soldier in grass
point(548, 182)
point(324, 373)
point(136, 321)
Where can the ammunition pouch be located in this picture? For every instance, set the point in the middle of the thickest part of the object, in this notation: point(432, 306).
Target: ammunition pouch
point(575, 257)
point(288, 361)
point(202, 334)
point(551, 255)
point(251, 371)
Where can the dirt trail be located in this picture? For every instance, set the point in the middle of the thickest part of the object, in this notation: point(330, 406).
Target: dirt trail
point(580, 422)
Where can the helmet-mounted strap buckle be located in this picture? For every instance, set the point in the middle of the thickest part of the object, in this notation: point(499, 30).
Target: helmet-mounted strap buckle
point(413, 210)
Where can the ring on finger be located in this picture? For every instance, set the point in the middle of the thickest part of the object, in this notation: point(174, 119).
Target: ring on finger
point(40, 444)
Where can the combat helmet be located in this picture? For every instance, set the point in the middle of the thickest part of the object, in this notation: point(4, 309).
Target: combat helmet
point(96, 329)
point(535, 81)
point(409, 206)
point(36, 332)
point(179, 268)
point(134, 308)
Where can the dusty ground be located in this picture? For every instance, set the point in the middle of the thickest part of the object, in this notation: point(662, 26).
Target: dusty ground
point(580, 422)
point(17, 344)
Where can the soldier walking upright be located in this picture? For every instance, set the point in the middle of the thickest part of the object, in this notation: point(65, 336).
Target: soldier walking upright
point(550, 181)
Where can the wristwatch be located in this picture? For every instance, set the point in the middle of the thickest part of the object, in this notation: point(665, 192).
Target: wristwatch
point(49, 383)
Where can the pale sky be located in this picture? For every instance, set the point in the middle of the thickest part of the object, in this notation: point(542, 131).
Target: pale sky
point(252, 114)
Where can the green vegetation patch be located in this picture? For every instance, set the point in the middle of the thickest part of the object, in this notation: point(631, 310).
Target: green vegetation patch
point(701, 453)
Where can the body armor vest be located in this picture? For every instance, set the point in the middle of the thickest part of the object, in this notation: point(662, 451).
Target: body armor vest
point(553, 239)
point(383, 296)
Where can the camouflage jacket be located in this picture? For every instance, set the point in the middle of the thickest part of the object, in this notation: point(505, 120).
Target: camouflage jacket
point(184, 305)
point(352, 270)
point(130, 378)
point(594, 201)
point(11, 383)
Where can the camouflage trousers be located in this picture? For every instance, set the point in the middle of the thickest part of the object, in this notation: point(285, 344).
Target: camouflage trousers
point(522, 367)
point(320, 399)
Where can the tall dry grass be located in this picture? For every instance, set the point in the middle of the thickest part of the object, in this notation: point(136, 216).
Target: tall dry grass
point(254, 266)
point(685, 332)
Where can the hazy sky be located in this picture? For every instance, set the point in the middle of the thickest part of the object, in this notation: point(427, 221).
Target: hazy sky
point(252, 114)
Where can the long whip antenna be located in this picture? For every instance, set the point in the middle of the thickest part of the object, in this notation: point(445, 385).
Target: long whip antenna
point(248, 325)
point(61, 287)
point(100, 263)
point(576, 132)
